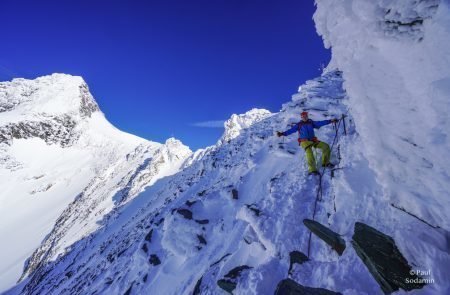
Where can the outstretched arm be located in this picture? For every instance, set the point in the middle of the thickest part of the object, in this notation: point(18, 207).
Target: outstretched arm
point(289, 131)
point(318, 124)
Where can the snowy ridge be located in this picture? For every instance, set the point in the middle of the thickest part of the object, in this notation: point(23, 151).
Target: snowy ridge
point(239, 201)
point(236, 123)
point(58, 154)
point(240, 205)
point(398, 88)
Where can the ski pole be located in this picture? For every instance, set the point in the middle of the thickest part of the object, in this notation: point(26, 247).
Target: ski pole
point(343, 123)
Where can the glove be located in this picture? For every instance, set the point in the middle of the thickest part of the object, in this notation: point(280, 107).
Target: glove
point(334, 120)
point(279, 133)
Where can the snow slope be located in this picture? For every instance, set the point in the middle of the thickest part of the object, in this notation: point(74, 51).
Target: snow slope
point(241, 204)
point(54, 145)
point(242, 201)
point(395, 58)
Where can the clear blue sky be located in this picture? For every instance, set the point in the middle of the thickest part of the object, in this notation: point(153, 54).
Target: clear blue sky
point(158, 67)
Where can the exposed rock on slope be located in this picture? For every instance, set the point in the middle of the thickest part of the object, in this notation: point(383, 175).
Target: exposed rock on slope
point(58, 154)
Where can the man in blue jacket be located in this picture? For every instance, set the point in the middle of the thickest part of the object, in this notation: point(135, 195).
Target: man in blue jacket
point(308, 140)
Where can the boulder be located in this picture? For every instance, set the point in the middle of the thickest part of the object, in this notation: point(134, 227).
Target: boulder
point(384, 260)
point(296, 257)
point(330, 237)
point(229, 282)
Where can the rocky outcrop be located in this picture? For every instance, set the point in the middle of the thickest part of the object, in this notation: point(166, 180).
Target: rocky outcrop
point(383, 259)
point(56, 130)
point(330, 237)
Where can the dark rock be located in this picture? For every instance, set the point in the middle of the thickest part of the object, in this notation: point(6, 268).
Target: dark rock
point(254, 209)
point(190, 203)
point(201, 193)
point(222, 258)
point(121, 252)
point(296, 257)
point(154, 260)
point(159, 222)
point(227, 285)
point(185, 213)
point(144, 279)
point(197, 290)
point(69, 274)
point(235, 194)
point(145, 248)
point(148, 237)
point(109, 281)
point(201, 239)
point(203, 221)
point(290, 287)
point(235, 272)
point(330, 237)
point(127, 292)
point(383, 259)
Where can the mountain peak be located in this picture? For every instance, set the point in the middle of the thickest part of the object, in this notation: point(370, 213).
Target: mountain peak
point(236, 123)
point(52, 95)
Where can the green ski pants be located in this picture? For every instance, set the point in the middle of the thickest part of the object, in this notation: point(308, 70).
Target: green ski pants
point(308, 145)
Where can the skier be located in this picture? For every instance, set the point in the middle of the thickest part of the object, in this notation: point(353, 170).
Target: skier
point(308, 140)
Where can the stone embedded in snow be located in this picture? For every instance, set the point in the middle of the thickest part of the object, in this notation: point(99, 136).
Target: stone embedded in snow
point(229, 282)
point(296, 257)
point(197, 288)
point(290, 287)
point(330, 237)
point(148, 237)
point(185, 213)
point(383, 259)
point(227, 285)
point(235, 194)
point(154, 260)
point(254, 209)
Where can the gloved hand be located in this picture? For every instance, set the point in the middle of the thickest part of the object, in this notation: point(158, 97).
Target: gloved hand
point(334, 120)
point(279, 133)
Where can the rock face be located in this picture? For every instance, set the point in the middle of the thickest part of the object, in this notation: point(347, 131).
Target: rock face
point(330, 237)
point(383, 259)
point(290, 287)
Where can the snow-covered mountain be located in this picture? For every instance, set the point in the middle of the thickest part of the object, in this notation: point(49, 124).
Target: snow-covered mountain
point(232, 220)
point(57, 154)
point(237, 217)
point(237, 123)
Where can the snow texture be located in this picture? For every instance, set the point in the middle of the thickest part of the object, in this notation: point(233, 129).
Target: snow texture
point(58, 153)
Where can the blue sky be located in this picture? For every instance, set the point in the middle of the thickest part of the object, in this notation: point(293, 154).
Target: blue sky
point(157, 68)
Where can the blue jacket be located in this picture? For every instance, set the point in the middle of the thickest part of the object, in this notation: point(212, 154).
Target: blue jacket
point(306, 129)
